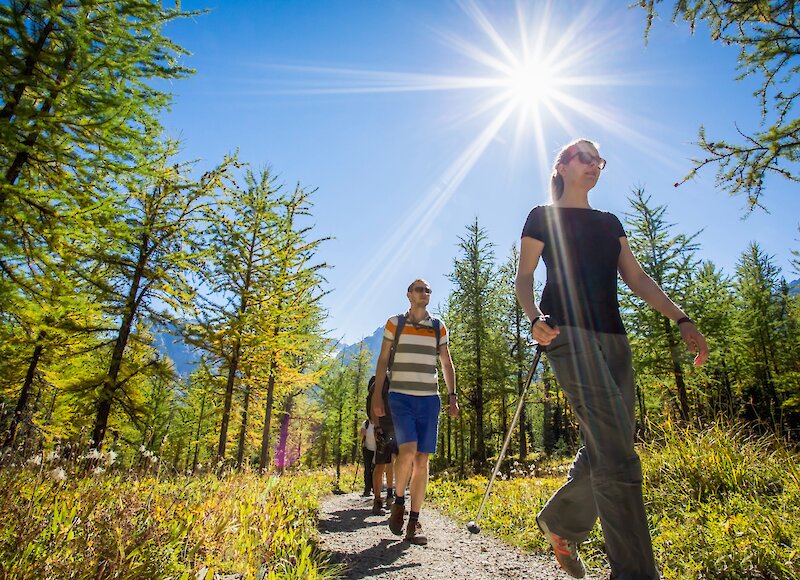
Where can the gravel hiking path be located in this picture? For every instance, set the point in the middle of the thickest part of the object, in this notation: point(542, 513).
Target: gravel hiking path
point(363, 543)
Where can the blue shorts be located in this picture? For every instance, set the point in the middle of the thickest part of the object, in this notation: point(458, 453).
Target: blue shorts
point(416, 420)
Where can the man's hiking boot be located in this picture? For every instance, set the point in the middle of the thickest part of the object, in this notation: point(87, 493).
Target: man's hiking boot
point(377, 507)
point(396, 519)
point(566, 552)
point(414, 533)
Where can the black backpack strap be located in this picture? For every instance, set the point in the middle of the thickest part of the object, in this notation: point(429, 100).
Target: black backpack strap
point(437, 329)
point(401, 322)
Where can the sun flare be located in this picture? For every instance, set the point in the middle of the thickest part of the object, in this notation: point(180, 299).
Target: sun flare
point(531, 84)
point(533, 79)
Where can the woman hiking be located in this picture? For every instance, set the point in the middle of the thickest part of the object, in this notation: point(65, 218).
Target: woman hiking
point(584, 249)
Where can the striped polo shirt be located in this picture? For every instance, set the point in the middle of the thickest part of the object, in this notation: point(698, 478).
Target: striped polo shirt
point(414, 369)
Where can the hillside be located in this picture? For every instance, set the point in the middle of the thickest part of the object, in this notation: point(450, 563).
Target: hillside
point(372, 342)
point(169, 342)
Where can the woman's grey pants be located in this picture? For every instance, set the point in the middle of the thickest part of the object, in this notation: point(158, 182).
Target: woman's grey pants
point(595, 372)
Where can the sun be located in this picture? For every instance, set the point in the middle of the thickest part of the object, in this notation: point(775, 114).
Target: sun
point(531, 78)
point(531, 84)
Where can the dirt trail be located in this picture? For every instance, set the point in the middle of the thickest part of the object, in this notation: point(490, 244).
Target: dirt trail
point(365, 545)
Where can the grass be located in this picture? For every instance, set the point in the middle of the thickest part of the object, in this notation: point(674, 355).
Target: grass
point(124, 526)
point(721, 503)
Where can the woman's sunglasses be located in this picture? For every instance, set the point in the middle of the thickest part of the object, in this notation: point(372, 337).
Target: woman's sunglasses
point(586, 159)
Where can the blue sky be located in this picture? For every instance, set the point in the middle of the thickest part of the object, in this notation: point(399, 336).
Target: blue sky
point(405, 117)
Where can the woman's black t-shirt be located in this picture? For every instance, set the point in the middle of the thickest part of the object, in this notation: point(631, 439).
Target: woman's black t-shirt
point(581, 251)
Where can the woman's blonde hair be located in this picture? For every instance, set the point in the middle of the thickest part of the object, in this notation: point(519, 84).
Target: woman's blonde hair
point(556, 181)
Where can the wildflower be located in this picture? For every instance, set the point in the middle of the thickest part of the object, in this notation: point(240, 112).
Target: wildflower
point(93, 453)
point(111, 457)
point(53, 455)
point(35, 460)
point(57, 474)
point(199, 466)
point(153, 459)
point(98, 470)
point(142, 449)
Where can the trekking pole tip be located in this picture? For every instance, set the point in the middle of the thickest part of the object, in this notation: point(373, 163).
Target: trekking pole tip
point(473, 527)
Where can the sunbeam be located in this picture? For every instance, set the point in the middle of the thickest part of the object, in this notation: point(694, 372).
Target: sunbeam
point(534, 80)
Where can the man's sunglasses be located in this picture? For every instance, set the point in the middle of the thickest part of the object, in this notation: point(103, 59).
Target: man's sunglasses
point(586, 159)
point(422, 289)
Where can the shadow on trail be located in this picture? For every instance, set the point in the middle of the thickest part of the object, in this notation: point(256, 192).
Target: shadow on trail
point(376, 560)
point(351, 519)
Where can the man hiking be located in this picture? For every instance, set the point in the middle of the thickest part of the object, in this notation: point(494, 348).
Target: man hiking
point(411, 342)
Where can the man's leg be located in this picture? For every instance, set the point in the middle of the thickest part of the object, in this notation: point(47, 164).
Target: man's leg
point(419, 485)
point(419, 480)
point(404, 464)
point(402, 471)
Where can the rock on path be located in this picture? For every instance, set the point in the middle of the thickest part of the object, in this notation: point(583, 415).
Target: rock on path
point(363, 543)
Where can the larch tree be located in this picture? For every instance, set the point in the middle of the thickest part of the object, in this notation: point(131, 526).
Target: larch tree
point(759, 319)
point(473, 279)
point(150, 274)
point(670, 261)
point(517, 337)
point(767, 35)
point(235, 277)
point(293, 315)
point(77, 106)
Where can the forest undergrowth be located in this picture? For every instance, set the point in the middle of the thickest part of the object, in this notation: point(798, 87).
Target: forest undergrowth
point(722, 504)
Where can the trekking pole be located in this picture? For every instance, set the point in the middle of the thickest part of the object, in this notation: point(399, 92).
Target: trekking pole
point(355, 477)
point(473, 526)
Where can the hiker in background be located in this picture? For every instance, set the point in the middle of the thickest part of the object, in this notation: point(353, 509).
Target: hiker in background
point(385, 452)
point(411, 343)
point(367, 436)
point(583, 250)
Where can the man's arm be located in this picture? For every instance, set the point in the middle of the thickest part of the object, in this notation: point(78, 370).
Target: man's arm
point(449, 372)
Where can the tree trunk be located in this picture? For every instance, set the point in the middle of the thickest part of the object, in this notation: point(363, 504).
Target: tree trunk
point(111, 381)
point(197, 437)
point(281, 459)
point(228, 404)
point(21, 158)
point(677, 371)
point(22, 402)
point(265, 435)
point(243, 430)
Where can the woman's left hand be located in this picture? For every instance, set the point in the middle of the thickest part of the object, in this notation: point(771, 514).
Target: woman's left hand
point(695, 341)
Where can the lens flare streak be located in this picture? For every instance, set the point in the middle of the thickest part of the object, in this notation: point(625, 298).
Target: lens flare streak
point(534, 81)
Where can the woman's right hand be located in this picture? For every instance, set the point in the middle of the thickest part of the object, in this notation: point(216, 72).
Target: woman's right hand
point(542, 332)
